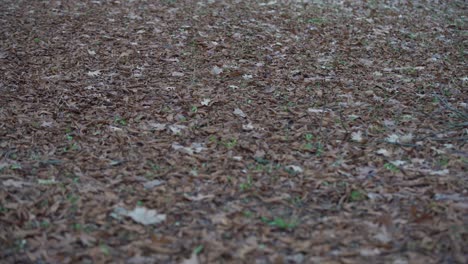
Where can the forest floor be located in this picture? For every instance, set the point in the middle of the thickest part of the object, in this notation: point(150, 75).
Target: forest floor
point(233, 131)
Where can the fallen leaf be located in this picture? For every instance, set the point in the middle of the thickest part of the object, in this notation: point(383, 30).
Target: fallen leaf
point(247, 127)
point(294, 168)
point(393, 138)
point(146, 216)
point(94, 73)
point(198, 197)
point(216, 70)
point(239, 112)
point(13, 183)
point(366, 252)
point(152, 184)
point(238, 158)
point(194, 148)
point(248, 246)
point(406, 138)
point(192, 260)
point(383, 152)
point(205, 102)
point(181, 148)
point(383, 236)
point(157, 126)
point(398, 162)
point(450, 197)
point(220, 218)
point(440, 172)
point(176, 129)
point(315, 111)
point(113, 128)
point(357, 136)
point(177, 74)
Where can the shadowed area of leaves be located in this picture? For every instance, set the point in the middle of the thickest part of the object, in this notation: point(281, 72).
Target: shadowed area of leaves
point(233, 131)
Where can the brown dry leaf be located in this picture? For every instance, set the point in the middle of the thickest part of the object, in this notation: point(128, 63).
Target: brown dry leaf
point(248, 246)
point(196, 108)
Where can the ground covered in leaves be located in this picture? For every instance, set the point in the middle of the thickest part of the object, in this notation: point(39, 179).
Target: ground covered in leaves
point(233, 131)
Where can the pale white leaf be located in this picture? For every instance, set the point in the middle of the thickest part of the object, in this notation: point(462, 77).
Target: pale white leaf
point(177, 74)
point(247, 127)
point(192, 260)
point(239, 112)
point(366, 252)
point(450, 197)
point(94, 73)
point(357, 136)
point(194, 148)
point(157, 126)
point(118, 213)
point(205, 102)
point(152, 184)
point(440, 172)
point(294, 168)
point(197, 147)
point(374, 196)
point(171, 60)
point(146, 216)
point(406, 138)
point(315, 110)
point(176, 129)
point(384, 152)
point(389, 123)
point(398, 162)
point(47, 181)
point(247, 76)
point(13, 183)
point(47, 124)
point(91, 52)
point(113, 128)
point(216, 70)
point(181, 148)
point(198, 197)
point(438, 151)
point(393, 138)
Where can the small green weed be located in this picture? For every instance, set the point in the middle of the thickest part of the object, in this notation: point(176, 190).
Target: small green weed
point(246, 185)
point(316, 21)
point(230, 143)
point(120, 121)
point(198, 249)
point(357, 196)
point(279, 222)
point(391, 167)
point(104, 249)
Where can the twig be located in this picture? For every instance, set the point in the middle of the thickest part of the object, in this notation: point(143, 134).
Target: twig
point(447, 106)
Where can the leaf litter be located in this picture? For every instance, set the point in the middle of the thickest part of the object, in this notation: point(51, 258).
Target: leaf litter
point(236, 131)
